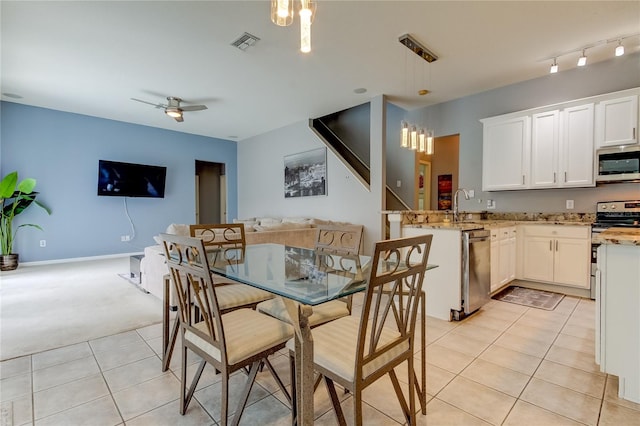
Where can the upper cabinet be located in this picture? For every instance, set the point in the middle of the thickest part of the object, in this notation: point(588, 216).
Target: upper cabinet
point(617, 121)
point(505, 154)
point(554, 146)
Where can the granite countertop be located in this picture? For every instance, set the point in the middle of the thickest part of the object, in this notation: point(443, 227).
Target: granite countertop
point(488, 224)
point(457, 226)
point(622, 236)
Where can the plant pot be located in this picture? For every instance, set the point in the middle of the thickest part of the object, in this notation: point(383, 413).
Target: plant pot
point(8, 262)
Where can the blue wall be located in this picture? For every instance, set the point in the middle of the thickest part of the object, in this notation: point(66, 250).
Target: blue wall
point(61, 151)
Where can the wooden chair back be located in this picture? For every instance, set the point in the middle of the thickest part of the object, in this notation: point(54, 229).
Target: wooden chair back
point(227, 238)
point(345, 239)
point(391, 300)
point(193, 284)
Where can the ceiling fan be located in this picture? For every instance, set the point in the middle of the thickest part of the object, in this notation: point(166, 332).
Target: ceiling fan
point(173, 108)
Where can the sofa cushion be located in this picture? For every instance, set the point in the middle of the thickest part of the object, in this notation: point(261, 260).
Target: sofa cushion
point(281, 226)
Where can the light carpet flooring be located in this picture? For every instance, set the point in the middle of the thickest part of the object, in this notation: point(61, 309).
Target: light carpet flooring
point(48, 306)
point(505, 365)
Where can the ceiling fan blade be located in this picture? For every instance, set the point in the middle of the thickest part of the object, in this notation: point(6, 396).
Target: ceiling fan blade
point(149, 103)
point(193, 107)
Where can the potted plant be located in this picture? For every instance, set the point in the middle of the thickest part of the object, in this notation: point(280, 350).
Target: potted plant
point(14, 199)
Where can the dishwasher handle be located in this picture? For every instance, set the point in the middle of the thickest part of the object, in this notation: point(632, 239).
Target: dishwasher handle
point(477, 235)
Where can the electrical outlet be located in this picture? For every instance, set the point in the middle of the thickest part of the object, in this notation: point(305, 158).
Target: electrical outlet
point(123, 238)
point(569, 204)
point(472, 193)
point(43, 243)
point(399, 183)
point(491, 204)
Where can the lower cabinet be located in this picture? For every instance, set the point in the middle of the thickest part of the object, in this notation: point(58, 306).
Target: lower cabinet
point(556, 254)
point(503, 256)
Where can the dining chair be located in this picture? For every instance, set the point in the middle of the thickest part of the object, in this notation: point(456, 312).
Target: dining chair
point(226, 241)
point(356, 352)
point(338, 239)
point(239, 339)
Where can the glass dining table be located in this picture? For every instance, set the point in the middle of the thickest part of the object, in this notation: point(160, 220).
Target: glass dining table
point(303, 278)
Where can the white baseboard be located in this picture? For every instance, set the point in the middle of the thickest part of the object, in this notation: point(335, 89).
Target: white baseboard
point(80, 259)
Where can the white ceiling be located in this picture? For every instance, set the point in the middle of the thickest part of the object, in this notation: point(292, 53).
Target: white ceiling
point(91, 57)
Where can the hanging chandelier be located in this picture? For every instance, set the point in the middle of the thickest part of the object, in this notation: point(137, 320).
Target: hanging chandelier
point(282, 15)
point(412, 137)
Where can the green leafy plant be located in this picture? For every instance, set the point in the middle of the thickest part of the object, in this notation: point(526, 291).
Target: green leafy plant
point(14, 199)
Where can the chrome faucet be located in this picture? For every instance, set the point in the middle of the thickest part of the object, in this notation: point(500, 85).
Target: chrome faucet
point(455, 203)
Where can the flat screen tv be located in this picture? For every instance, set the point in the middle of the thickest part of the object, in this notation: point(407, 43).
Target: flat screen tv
point(130, 180)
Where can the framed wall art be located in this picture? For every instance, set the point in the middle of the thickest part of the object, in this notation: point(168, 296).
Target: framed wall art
point(305, 173)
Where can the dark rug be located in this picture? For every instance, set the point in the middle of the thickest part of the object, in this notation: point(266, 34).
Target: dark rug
point(529, 297)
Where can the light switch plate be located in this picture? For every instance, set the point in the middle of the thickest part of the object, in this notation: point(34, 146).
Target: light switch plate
point(491, 204)
point(472, 193)
point(398, 183)
point(569, 204)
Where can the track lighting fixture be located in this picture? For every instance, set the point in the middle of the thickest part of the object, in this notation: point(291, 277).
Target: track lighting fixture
point(582, 60)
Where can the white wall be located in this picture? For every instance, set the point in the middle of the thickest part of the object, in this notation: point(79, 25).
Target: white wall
point(261, 181)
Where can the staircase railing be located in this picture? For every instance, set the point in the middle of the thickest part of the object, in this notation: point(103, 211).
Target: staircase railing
point(357, 167)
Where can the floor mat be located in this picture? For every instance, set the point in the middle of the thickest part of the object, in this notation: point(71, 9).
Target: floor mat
point(529, 297)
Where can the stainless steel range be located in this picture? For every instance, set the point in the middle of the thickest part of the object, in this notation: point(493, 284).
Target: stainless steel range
point(619, 214)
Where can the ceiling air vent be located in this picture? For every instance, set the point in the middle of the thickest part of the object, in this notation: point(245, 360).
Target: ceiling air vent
point(245, 41)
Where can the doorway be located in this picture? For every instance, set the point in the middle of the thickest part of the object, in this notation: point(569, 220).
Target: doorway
point(423, 185)
point(211, 192)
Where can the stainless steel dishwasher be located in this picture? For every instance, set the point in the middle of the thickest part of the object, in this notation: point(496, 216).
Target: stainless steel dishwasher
point(476, 271)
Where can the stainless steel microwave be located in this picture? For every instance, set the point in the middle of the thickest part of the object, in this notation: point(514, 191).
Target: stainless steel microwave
point(618, 164)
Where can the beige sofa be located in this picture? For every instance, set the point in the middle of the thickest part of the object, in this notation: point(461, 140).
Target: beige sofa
point(297, 232)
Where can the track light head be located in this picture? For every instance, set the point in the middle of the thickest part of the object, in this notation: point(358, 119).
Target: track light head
point(582, 60)
point(619, 49)
point(554, 67)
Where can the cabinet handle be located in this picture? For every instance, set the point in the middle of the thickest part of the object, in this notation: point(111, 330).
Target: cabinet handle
point(634, 133)
point(523, 179)
point(556, 245)
point(550, 245)
point(554, 177)
point(565, 177)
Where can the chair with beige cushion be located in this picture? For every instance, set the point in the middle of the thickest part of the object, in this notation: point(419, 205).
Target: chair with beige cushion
point(239, 339)
point(339, 239)
point(355, 352)
point(228, 242)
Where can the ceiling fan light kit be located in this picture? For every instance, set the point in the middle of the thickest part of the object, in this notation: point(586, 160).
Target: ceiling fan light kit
point(173, 108)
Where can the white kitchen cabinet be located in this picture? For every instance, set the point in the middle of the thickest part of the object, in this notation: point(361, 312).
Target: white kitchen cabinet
point(503, 256)
point(545, 149)
point(557, 254)
point(505, 153)
point(562, 148)
point(617, 121)
point(576, 147)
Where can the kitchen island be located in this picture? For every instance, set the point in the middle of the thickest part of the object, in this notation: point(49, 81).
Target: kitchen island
point(617, 308)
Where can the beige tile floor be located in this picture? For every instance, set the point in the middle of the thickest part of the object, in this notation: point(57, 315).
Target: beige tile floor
point(505, 365)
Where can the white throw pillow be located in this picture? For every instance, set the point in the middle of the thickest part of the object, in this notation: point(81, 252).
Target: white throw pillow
point(248, 223)
point(296, 220)
point(178, 229)
point(269, 220)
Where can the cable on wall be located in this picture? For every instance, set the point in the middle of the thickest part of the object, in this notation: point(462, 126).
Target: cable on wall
point(126, 211)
